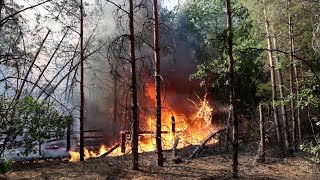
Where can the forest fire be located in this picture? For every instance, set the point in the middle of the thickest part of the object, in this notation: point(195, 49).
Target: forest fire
point(191, 129)
point(75, 156)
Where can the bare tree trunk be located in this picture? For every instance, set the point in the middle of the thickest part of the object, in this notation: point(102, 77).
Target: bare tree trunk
point(31, 66)
point(273, 81)
point(68, 137)
point(1, 7)
point(81, 84)
point(48, 63)
point(281, 92)
point(235, 173)
point(115, 98)
point(135, 120)
point(157, 82)
point(227, 137)
point(300, 110)
point(261, 150)
point(71, 69)
point(293, 76)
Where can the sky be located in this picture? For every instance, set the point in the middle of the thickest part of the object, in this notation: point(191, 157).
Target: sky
point(171, 3)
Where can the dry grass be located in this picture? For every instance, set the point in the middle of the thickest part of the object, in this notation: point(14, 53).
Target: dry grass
point(209, 167)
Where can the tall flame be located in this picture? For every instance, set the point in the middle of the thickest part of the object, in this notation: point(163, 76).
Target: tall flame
point(190, 129)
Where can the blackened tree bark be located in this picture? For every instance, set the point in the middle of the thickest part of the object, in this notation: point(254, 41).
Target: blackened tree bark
point(232, 91)
point(157, 82)
point(115, 97)
point(135, 120)
point(81, 84)
point(273, 81)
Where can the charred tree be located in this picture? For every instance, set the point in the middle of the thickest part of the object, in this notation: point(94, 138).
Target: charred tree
point(81, 84)
point(157, 82)
point(233, 109)
point(135, 120)
point(273, 81)
point(227, 137)
point(115, 97)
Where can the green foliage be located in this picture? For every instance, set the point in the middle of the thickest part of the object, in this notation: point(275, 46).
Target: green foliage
point(313, 148)
point(309, 93)
point(29, 123)
point(207, 19)
point(5, 166)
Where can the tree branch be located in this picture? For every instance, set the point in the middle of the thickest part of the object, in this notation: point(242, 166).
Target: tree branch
point(288, 53)
point(14, 14)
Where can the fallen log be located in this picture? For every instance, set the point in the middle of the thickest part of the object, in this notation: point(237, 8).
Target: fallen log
point(110, 150)
point(205, 141)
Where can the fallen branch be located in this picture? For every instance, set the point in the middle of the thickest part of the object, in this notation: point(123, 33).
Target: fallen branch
point(205, 141)
point(110, 150)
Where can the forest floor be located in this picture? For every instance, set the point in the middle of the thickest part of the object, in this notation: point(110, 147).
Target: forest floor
point(207, 166)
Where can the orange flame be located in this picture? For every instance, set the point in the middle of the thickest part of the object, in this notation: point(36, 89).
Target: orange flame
point(75, 156)
point(190, 129)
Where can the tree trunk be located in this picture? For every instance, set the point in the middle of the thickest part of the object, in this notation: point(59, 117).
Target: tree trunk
point(68, 137)
point(227, 137)
point(281, 93)
point(298, 126)
point(157, 82)
point(273, 81)
point(31, 66)
point(48, 63)
point(261, 157)
point(135, 121)
point(300, 110)
point(293, 76)
point(1, 7)
point(232, 91)
point(81, 84)
point(115, 99)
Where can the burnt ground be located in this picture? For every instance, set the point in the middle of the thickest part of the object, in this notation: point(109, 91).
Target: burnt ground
point(207, 166)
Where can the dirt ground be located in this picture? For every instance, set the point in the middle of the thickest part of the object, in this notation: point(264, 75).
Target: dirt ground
point(210, 167)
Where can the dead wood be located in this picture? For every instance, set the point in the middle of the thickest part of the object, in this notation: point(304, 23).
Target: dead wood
point(110, 150)
point(205, 141)
point(175, 158)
